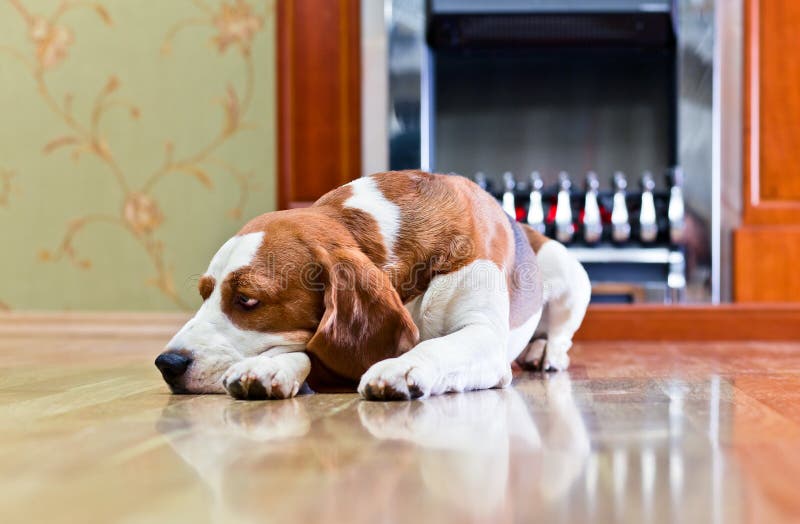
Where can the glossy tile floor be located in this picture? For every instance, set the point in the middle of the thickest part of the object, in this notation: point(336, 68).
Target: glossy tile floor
point(633, 433)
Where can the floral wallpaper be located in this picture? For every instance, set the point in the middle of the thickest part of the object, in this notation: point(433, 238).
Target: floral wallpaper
point(137, 137)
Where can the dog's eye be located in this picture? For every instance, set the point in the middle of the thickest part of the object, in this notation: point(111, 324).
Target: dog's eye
point(246, 302)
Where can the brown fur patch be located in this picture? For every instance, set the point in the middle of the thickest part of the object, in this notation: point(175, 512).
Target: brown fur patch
point(281, 275)
point(364, 320)
point(446, 223)
point(536, 239)
point(206, 286)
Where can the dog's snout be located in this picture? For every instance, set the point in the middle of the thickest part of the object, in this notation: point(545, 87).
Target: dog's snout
point(172, 365)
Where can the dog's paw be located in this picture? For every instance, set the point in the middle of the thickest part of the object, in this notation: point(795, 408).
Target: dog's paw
point(555, 361)
point(532, 355)
point(555, 355)
point(259, 378)
point(395, 379)
point(545, 355)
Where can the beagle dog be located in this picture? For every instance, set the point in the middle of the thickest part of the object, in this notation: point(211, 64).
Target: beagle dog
point(401, 285)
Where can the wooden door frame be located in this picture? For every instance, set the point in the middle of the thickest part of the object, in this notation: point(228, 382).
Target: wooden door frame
point(757, 210)
point(767, 242)
point(318, 98)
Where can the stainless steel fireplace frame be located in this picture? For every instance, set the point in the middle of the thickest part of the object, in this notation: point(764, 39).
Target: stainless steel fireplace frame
point(407, 19)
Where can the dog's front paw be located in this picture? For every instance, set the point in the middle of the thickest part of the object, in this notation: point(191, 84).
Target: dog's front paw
point(259, 378)
point(395, 379)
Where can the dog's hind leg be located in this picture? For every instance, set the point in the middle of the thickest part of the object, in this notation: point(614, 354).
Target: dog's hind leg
point(567, 291)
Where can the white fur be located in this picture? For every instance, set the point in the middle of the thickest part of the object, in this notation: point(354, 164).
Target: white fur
point(567, 291)
point(463, 325)
point(235, 253)
point(210, 338)
point(368, 197)
point(280, 375)
point(520, 336)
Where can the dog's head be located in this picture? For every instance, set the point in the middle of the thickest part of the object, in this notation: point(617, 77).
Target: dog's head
point(288, 281)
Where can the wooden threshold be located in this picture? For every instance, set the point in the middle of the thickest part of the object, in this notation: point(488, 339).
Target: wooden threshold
point(734, 322)
point(728, 322)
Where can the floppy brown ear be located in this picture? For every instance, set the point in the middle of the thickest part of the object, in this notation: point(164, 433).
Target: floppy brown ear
point(364, 320)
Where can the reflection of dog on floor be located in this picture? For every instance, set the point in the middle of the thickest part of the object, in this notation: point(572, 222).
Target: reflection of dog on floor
point(403, 285)
point(484, 452)
point(482, 455)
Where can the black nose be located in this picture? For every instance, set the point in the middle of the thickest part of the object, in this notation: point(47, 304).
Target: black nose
point(172, 365)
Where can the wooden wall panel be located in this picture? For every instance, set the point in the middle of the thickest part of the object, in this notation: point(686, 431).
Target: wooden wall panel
point(767, 264)
point(319, 81)
point(767, 243)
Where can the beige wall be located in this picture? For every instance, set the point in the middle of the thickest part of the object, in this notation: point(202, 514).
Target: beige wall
point(135, 137)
